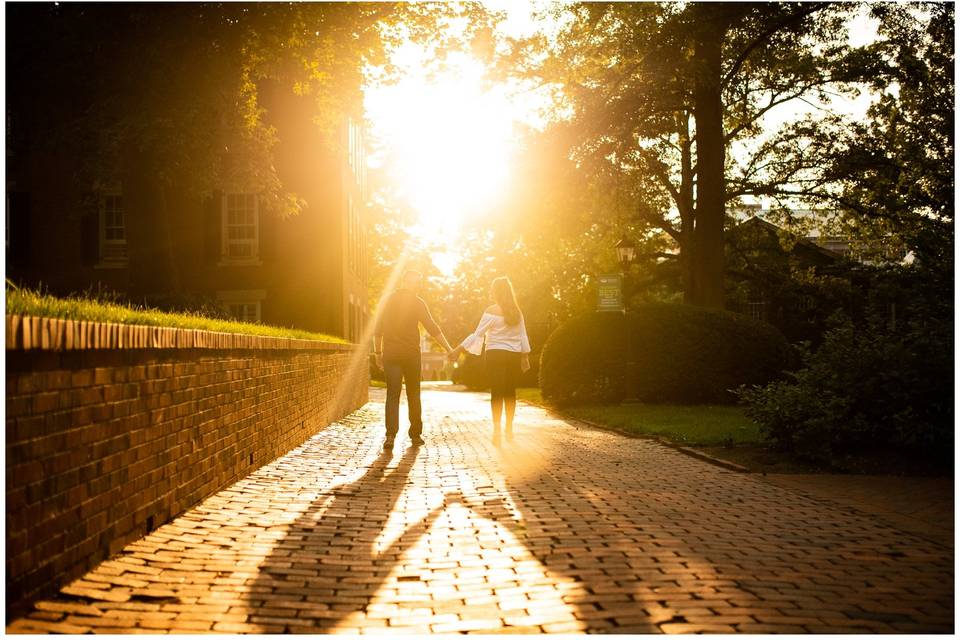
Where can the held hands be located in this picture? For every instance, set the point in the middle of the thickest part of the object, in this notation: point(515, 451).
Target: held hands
point(454, 354)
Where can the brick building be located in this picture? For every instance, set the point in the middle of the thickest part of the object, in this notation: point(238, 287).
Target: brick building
point(306, 271)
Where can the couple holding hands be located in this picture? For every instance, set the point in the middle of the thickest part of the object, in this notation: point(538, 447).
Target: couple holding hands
point(397, 350)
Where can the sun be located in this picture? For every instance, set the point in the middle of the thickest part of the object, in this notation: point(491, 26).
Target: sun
point(450, 140)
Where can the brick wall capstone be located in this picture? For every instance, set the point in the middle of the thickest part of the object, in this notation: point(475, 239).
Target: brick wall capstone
point(113, 430)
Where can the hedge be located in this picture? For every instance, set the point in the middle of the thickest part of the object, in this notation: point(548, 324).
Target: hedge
point(659, 353)
point(867, 388)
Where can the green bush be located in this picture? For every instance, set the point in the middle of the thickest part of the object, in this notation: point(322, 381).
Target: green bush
point(659, 353)
point(865, 389)
point(472, 373)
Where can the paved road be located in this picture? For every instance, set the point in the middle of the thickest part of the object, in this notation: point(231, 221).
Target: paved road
point(566, 530)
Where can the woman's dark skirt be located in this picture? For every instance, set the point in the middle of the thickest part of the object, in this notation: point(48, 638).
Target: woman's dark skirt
point(503, 371)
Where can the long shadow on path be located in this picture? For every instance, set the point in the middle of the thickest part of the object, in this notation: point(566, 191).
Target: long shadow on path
point(655, 540)
point(569, 530)
point(332, 561)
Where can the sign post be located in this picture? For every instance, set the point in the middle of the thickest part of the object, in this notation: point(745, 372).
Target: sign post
point(610, 292)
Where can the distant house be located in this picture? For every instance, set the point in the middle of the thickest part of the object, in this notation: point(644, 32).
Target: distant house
point(819, 227)
point(307, 271)
point(779, 277)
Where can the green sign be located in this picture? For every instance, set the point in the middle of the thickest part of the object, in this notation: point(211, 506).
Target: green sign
point(609, 292)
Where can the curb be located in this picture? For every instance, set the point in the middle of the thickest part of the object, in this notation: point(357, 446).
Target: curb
point(690, 451)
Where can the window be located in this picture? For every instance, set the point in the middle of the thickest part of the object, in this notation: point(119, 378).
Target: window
point(350, 319)
point(244, 311)
point(806, 303)
point(240, 231)
point(355, 250)
point(756, 306)
point(244, 305)
point(355, 154)
point(113, 233)
point(351, 235)
point(757, 310)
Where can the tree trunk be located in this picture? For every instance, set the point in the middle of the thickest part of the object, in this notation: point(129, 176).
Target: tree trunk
point(685, 206)
point(707, 263)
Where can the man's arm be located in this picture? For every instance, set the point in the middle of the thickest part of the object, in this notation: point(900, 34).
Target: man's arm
point(378, 340)
point(433, 328)
point(442, 339)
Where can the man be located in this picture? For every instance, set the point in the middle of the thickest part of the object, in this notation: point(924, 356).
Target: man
point(396, 344)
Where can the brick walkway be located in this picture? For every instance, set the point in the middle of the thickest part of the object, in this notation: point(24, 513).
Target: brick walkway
point(922, 506)
point(566, 530)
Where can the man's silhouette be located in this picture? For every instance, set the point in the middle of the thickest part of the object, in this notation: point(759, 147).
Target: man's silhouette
point(397, 348)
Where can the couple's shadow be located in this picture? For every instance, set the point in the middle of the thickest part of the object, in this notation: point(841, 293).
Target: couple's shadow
point(331, 560)
point(342, 551)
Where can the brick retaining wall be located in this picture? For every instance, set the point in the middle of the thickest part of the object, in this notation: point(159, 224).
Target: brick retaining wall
point(114, 430)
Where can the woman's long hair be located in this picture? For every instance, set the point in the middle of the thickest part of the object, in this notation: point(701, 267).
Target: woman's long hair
point(503, 295)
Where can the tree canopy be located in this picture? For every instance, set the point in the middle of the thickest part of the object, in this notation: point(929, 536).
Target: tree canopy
point(661, 92)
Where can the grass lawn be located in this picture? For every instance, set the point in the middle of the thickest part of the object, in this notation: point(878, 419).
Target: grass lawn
point(725, 432)
point(31, 303)
point(704, 425)
point(720, 431)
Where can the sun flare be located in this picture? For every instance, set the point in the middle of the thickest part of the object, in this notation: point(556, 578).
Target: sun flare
point(451, 142)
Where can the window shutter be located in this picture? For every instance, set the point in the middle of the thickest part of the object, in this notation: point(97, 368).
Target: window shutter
point(213, 224)
point(90, 230)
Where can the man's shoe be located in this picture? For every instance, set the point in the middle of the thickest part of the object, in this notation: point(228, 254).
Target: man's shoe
point(416, 441)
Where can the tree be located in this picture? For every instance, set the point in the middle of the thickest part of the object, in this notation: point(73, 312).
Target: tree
point(164, 98)
point(635, 75)
point(889, 177)
point(896, 169)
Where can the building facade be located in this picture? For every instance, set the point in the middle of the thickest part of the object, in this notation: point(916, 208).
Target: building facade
point(219, 248)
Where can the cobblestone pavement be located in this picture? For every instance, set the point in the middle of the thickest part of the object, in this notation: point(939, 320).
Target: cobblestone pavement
point(566, 529)
point(922, 506)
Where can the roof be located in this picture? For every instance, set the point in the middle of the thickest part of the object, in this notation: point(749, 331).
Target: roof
point(767, 225)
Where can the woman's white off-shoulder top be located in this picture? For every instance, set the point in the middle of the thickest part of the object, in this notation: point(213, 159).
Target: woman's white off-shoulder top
point(499, 335)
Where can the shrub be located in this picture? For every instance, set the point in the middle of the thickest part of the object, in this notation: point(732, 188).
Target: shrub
point(865, 389)
point(659, 353)
point(472, 373)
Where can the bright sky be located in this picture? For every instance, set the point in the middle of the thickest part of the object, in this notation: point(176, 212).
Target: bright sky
point(452, 138)
point(452, 143)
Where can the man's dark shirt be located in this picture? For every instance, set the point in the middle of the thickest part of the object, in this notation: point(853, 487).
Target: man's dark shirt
point(398, 324)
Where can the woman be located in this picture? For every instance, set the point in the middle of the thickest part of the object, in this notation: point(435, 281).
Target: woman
point(508, 352)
